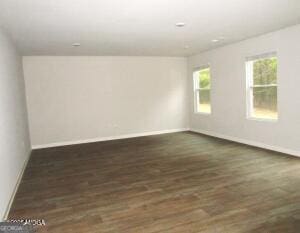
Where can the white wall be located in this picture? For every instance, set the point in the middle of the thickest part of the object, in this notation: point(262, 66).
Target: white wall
point(228, 118)
point(79, 98)
point(14, 138)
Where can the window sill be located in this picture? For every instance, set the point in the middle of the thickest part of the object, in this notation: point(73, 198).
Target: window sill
point(262, 119)
point(203, 113)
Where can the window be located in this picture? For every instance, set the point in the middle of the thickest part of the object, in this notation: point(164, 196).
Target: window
point(202, 90)
point(262, 87)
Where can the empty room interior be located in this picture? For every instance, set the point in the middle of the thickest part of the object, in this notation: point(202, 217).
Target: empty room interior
point(150, 116)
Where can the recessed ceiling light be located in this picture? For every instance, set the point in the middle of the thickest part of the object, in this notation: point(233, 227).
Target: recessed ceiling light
point(76, 44)
point(180, 24)
point(219, 39)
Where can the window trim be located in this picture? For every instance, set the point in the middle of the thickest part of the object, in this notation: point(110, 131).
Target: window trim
point(197, 89)
point(250, 86)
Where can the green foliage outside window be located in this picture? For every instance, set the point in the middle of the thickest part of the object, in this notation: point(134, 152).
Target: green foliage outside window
point(265, 73)
point(204, 78)
point(204, 84)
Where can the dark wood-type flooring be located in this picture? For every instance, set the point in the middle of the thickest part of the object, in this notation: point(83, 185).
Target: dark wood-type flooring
point(172, 183)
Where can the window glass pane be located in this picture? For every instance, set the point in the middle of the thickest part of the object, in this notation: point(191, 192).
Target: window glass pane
point(265, 71)
point(196, 76)
point(204, 78)
point(265, 102)
point(202, 90)
point(204, 101)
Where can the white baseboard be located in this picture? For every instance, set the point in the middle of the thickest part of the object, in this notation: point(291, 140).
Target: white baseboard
point(16, 188)
point(248, 142)
point(100, 139)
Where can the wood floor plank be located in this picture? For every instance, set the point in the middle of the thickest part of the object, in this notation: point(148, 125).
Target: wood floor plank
point(178, 183)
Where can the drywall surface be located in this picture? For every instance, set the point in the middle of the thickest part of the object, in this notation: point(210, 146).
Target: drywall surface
point(82, 98)
point(228, 94)
point(14, 137)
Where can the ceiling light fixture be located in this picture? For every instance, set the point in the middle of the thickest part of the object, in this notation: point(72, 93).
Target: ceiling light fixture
point(219, 39)
point(180, 24)
point(76, 44)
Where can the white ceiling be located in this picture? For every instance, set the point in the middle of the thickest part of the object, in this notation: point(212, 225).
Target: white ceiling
point(139, 27)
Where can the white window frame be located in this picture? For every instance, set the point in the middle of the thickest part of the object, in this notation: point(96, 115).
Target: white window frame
point(197, 89)
point(251, 86)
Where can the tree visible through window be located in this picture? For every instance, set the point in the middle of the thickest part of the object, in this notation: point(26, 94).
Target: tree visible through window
point(202, 90)
point(262, 84)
